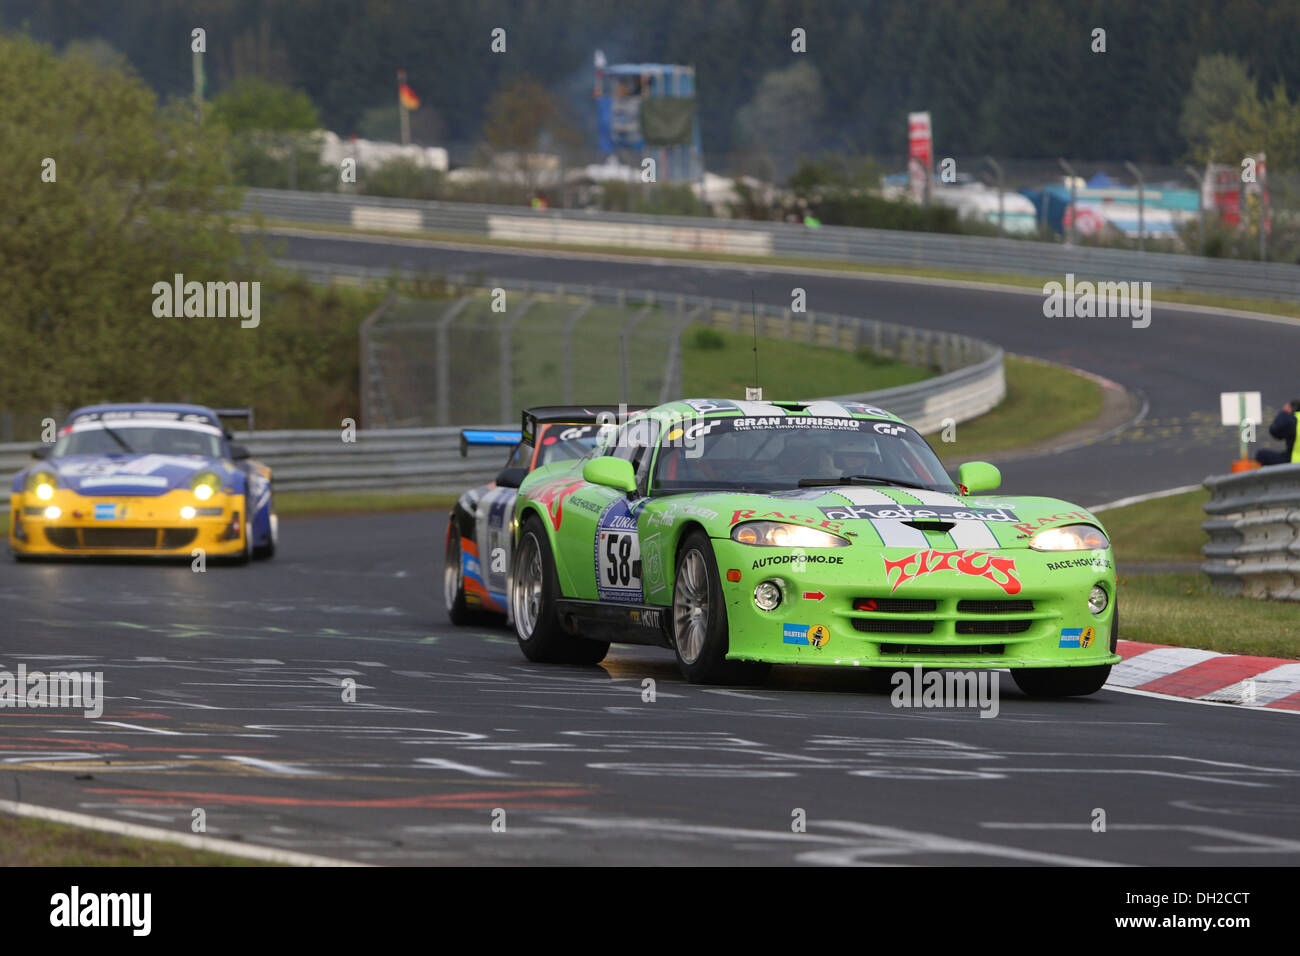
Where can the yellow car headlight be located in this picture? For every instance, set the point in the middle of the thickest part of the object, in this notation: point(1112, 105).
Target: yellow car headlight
point(42, 484)
point(1070, 537)
point(205, 484)
point(778, 534)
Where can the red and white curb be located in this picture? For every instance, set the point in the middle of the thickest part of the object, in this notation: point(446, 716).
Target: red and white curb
point(1270, 683)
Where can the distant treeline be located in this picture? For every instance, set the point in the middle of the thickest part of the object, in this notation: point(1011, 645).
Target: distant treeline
point(1009, 77)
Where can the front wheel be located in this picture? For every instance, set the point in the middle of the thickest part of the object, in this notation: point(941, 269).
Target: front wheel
point(1060, 681)
point(533, 594)
point(700, 632)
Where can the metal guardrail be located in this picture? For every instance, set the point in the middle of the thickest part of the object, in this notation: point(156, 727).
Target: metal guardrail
point(1254, 529)
point(1272, 280)
point(428, 459)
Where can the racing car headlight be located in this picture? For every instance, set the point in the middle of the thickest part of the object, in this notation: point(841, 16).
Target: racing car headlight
point(1071, 537)
point(205, 485)
point(42, 484)
point(777, 534)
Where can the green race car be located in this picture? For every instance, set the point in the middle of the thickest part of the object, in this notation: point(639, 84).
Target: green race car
point(742, 534)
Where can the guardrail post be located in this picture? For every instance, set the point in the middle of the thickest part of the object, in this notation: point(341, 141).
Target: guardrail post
point(367, 370)
point(508, 323)
point(444, 358)
point(569, 326)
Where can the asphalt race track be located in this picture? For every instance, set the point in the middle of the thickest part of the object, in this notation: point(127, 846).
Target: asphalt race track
point(226, 689)
point(225, 693)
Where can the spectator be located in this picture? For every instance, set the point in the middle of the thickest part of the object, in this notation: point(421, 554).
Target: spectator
point(1283, 429)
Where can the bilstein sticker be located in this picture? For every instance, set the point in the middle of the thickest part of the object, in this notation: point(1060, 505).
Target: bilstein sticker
point(1077, 636)
point(815, 635)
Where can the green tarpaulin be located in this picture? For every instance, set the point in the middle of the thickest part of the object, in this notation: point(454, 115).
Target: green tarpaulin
point(667, 121)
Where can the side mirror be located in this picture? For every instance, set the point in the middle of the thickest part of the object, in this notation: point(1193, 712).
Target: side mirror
point(511, 477)
point(239, 453)
point(979, 476)
point(42, 451)
point(610, 472)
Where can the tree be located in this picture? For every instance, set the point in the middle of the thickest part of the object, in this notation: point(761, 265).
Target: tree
point(523, 119)
point(106, 194)
point(1220, 85)
point(783, 119)
point(272, 126)
point(1269, 126)
point(252, 103)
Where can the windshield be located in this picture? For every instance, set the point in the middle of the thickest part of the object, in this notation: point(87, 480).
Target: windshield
point(138, 439)
point(778, 452)
point(566, 442)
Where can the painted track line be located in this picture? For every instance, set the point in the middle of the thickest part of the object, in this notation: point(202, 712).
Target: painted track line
point(192, 841)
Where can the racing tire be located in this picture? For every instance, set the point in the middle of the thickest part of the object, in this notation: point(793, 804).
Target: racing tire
point(533, 594)
point(453, 583)
point(1060, 681)
point(264, 551)
point(699, 619)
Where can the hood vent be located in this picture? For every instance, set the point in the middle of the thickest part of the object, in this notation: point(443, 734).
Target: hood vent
point(932, 524)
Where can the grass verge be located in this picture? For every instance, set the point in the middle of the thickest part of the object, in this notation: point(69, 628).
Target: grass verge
point(1180, 609)
point(1267, 306)
point(719, 364)
point(28, 842)
point(1166, 529)
point(1018, 421)
point(302, 504)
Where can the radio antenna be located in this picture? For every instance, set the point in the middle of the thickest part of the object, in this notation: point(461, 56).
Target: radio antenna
point(756, 393)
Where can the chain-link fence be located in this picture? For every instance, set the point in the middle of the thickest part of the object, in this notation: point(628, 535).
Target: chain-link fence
point(490, 349)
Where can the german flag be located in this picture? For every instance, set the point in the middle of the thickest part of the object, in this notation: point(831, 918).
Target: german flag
point(407, 97)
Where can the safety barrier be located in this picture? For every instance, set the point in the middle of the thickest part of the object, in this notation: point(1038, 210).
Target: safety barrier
point(1254, 529)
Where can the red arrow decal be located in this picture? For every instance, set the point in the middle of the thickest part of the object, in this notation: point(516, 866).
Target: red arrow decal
point(813, 595)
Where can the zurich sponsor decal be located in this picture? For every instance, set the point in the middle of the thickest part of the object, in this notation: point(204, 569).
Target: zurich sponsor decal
point(618, 553)
point(106, 512)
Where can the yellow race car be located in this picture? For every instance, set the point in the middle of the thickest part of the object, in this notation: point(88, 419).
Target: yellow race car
point(144, 480)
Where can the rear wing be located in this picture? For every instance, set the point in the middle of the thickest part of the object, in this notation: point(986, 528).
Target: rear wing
point(574, 415)
point(245, 414)
point(482, 436)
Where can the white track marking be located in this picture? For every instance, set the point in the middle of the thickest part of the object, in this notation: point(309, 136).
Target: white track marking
point(1152, 665)
point(1149, 496)
point(1270, 685)
point(275, 767)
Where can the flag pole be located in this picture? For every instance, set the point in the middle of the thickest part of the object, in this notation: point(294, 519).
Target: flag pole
point(402, 111)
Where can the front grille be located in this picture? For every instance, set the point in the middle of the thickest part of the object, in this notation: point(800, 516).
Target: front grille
point(935, 650)
point(869, 626)
point(968, 606)
point(896, 605)
point(993, 627)
point(132, 539)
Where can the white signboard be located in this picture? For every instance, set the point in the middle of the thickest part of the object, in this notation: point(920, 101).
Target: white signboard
point(1238, 407)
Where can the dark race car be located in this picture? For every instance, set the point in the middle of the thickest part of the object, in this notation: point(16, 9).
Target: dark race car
point(480, 533)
